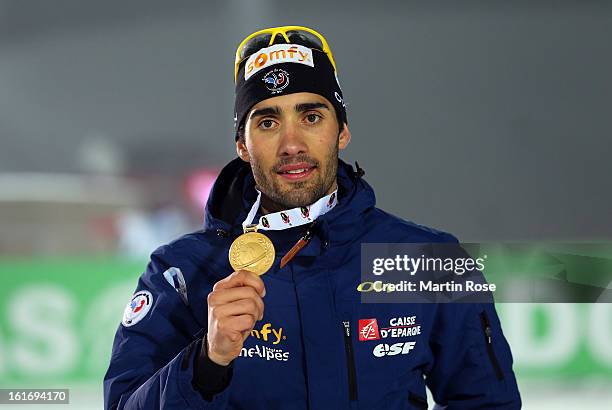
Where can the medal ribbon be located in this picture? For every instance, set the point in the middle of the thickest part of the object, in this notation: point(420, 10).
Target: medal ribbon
point(292, 217)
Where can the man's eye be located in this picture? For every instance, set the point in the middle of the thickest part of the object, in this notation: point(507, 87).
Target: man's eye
point(266, 124)
point(313, 118)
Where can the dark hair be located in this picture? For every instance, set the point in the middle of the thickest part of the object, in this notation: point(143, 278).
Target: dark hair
point(240, 132)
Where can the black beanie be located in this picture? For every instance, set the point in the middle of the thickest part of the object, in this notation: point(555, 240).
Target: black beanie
point(285, 69)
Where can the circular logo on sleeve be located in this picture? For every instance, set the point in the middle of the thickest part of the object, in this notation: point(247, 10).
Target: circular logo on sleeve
point(137, 308)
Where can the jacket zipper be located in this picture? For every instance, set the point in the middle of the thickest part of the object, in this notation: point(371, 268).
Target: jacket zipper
point(350, 361)
point(486, 327)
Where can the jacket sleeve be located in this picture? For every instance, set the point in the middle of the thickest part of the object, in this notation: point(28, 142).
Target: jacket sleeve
point(472, 360)
point(152, 361)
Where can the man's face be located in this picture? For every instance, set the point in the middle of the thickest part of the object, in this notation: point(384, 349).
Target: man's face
point(292, 144)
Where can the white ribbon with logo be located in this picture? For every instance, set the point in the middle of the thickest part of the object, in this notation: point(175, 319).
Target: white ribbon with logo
point(291, 217)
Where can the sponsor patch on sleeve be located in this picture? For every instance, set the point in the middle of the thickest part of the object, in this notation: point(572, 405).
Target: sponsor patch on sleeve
point(137, 308)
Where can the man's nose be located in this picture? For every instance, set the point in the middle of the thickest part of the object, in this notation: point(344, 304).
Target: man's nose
point(292, 141)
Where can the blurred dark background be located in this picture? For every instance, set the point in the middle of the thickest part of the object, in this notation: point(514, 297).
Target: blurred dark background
point(490, 119)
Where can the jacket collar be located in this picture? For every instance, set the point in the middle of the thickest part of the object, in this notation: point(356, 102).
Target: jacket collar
point(234, 192)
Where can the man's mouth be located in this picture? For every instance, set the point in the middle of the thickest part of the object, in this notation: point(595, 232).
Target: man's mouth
point(296, 171)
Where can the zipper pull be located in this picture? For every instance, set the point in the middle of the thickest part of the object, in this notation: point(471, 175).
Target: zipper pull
point(488, 333)
point(486, 325)
point(359, 171)
point(347, 328)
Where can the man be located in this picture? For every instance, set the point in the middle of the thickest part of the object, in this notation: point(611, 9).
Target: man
point(204, 331)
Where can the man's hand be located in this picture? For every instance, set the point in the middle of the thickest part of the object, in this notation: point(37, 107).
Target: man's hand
point(234, 305)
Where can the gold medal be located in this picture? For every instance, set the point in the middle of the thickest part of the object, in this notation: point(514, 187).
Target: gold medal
point(252, 251)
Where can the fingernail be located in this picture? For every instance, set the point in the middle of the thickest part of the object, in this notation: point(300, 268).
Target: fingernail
point(263, 293)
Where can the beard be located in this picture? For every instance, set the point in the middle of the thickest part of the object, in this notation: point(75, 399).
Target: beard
point(281, 196)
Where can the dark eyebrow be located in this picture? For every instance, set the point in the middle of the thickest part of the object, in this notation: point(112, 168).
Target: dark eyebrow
point(263, 112)
point(310, 106)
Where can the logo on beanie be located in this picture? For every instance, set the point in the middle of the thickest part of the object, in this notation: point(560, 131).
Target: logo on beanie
point(339, 99)
point(277, 54)
point(276, 80)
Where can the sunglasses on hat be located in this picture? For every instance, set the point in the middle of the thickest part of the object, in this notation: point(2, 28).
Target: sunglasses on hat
point(303, 36)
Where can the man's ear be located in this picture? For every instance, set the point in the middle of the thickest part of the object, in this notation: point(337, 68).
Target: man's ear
point(345, 137)
point(241, 150)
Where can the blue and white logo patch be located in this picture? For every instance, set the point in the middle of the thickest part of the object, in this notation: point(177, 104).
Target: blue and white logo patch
point(137, 308)
point(276, 80)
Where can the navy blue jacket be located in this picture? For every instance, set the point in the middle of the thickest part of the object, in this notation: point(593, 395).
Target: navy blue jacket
point(306, 353)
